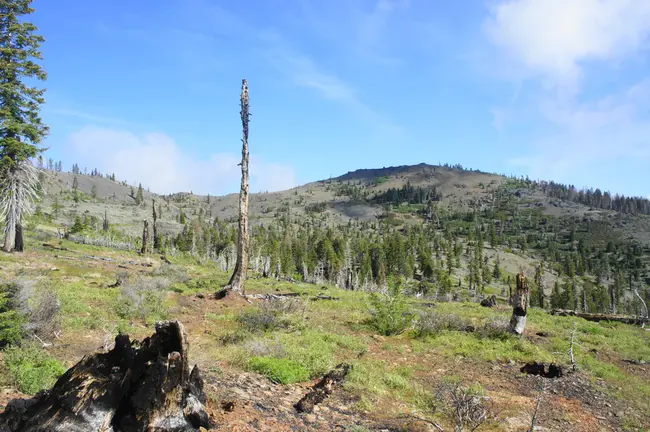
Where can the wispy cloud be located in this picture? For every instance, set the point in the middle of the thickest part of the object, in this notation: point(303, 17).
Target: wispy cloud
point(160, 163)
point(89, 116)
point(303, 71)
point(558, 43)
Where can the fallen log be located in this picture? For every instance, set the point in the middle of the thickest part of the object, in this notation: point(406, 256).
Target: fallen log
point(47, 245)
point(322, 389)
point(597, 317)
point(134, 387)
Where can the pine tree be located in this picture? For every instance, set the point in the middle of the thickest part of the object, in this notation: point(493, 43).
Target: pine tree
point(21, 127)
point(139, 198)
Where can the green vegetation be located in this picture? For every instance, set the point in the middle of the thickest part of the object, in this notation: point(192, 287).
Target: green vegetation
point(279, 370)
point(391, 313)
point(32, 368)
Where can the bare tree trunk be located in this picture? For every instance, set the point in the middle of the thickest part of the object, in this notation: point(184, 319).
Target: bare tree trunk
point(19, 237)
point(645, 307)
point(520, 305)
point(11, 217)
point(539, 281)
point(156, 240)
point(239, 275)
point(145, 237)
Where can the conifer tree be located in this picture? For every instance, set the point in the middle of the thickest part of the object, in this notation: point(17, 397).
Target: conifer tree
point(139, 198)
point(21, 128)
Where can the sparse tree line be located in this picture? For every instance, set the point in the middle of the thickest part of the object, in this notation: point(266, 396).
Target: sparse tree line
point(364, 255)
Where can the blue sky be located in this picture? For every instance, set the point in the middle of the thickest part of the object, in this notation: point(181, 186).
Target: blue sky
point(149, 90)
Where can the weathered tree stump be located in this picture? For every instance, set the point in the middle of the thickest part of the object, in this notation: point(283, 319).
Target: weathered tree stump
point(135, 387)
point(489, 301)
point(519, 305)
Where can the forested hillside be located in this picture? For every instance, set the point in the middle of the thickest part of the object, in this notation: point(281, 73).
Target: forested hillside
point(456, 233)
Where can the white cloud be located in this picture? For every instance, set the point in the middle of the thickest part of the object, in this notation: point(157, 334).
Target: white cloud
point(614, 128)
point(500, 117)
point(160, 164)
point(558, 42)
point(554, 37)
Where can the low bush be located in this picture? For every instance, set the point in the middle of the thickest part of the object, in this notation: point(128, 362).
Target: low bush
point(32, 368)
point(279, 370)
point(391, 313)
point(27, 309)
point(270, 315)
point(431, 322)
point(174, 273)
point(143, 298)
point(265, 348)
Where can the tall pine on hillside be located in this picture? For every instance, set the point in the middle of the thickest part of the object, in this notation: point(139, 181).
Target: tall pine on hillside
point(21, 128)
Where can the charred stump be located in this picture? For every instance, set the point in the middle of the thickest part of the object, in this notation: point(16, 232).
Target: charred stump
point(323, 388)
point(519, 305)
point(489, 301)
point(135, 387)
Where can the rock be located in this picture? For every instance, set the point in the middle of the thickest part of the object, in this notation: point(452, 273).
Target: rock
point(134, 387)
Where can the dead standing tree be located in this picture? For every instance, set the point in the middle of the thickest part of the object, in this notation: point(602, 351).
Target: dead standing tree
point(238, 278)
point(156, 239)
point(145, 237)
point(519, 305)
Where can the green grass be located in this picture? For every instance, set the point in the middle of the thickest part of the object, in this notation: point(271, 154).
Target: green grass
point(32, 368)
point(279, 370)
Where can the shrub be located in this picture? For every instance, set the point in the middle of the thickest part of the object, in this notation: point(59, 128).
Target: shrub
point(269, 316)
point(265, 348)
point(11, 322)
point(390, 312)
point(26, 308)
point(279, 370)
point(143, 297)
point(32, 368)
point(431, 322)
point(174, 273)
point(466, 406)
point(495, 328)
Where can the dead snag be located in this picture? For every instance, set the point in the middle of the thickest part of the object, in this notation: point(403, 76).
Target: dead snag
point(323, 388)
point(238, 278)
point(145, 237)
point(156, 239)
point(574, 365)
point(519, 305)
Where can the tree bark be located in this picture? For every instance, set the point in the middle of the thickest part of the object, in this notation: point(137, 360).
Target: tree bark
point(156, 240)
point(19, 238)
point(239, 275)
point(11, 217)
point(145, 237)
point(519, 306)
